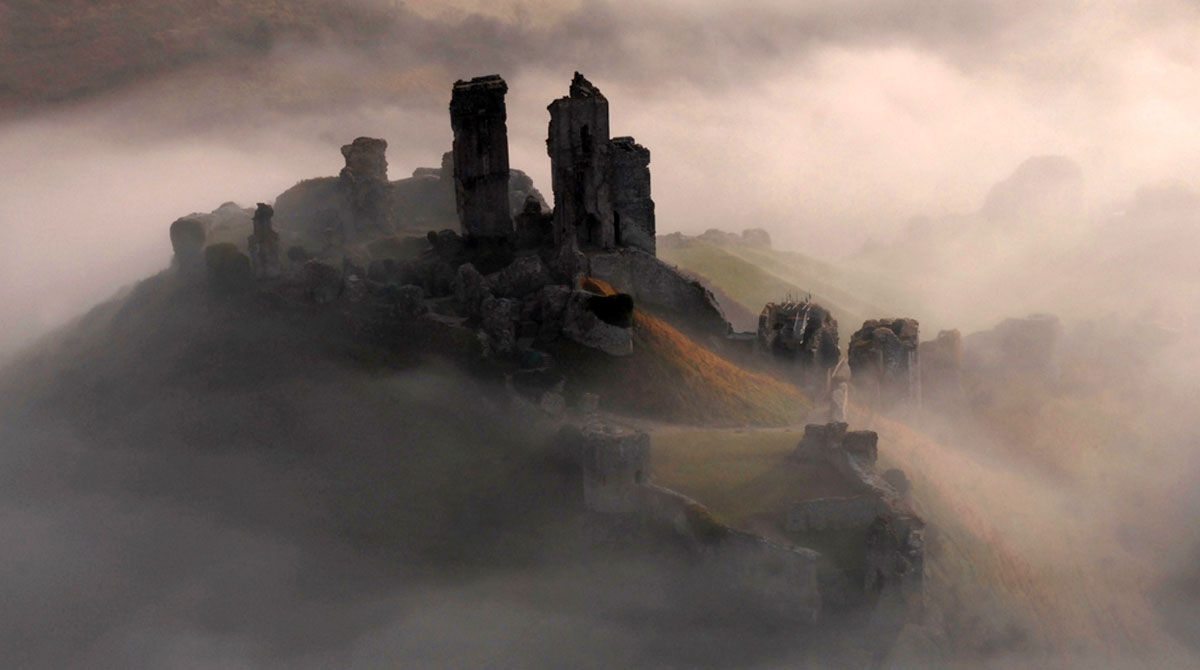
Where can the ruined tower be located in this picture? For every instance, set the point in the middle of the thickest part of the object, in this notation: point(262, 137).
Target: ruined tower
point(478, 117)
point(263, 243)
point(629, 183)
point(364, 181)
point(884, 362)
point(579, 166)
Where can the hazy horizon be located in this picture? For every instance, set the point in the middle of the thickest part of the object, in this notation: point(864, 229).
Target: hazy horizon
point(828, 124)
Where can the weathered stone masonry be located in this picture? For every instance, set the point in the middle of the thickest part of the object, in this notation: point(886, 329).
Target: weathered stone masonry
point(578, 146)
point(479, 119)
point(629, 184)
point(601, 185)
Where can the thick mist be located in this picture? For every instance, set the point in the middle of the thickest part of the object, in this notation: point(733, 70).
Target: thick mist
point(829, 125)
point(889, 138)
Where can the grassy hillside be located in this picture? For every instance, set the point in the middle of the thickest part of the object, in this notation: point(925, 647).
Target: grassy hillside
point(740, 474)
point(750, 277)
point(671, 378)
point(1017, 563)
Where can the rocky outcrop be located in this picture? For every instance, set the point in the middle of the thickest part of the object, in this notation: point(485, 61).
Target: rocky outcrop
point(470, 289)
point(407, 302)
point(525, 275)
point(884, 363)
point(481, 175)
point(587, 321)
point(498, 320)
point(661, 288)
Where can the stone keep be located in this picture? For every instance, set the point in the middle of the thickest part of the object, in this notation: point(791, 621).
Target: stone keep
point(263, 243)
point(579, 167)
point(481, 174)
point(629, 184)
point(365, 183)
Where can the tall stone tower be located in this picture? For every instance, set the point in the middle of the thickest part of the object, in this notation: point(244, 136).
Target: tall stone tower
point(579, 164)
point(629, 182)
point(478, 117)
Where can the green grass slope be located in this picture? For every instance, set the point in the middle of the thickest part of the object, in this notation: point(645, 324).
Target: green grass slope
point(745, 278)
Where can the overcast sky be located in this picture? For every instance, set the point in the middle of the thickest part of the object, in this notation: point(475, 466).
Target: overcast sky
point(826, 122)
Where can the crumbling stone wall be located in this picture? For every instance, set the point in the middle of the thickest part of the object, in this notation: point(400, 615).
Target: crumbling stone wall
point(481, 174)
point(579, 148)
point(884, 363)
point(895, 563)
point(832, 513)
point(615, 462)
point(653, 283)
point(629, 183)
point(803, 334)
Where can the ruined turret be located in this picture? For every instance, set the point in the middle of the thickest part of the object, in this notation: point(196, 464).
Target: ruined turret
point(481, 174)
point(884, 363)
point(365, 183)
point(263, 243)
point(579, 167)
point(615, 461)
point(802, 334)
point(629, 183)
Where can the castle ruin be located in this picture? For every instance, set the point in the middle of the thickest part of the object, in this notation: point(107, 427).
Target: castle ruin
point(263, 243)
point(481, 174)
point(803, 334)
point(601, 185)
point(365, 182)
point(885, 364)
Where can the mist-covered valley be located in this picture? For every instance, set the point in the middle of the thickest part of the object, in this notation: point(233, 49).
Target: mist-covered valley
point(199, 478)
